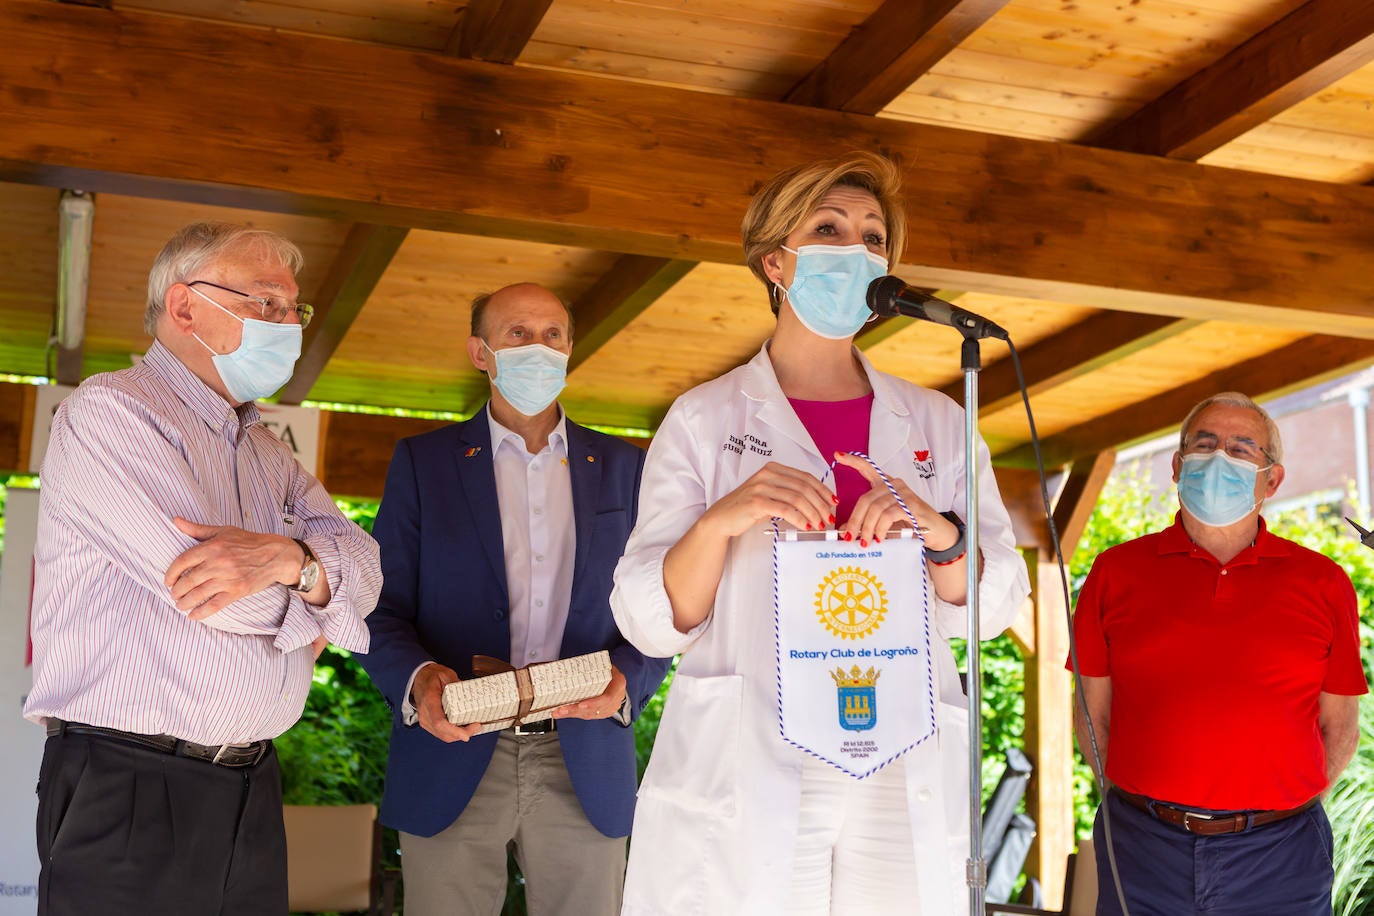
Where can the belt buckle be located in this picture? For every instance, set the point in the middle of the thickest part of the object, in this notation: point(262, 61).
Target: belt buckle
point(259, 748)
point(1193, 815)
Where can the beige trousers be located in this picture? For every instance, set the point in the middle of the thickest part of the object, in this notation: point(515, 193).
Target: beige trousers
point(526, 800)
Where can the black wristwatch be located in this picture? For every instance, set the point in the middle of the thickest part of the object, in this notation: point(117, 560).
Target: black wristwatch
point(953, 551)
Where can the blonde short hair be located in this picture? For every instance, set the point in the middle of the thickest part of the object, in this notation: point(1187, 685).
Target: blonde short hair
point(787, 199)
point(195, 246)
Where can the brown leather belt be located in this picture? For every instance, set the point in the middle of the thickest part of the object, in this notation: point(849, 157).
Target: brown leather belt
point(1204, 824)
point(225, 755)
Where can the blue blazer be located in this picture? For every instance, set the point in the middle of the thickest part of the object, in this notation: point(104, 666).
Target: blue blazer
point(444, 599)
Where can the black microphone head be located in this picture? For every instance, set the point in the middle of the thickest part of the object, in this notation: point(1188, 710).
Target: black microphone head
point(883, 294)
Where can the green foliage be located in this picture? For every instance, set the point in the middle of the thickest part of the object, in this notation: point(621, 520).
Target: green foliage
point(1350, 806)
point(336, 753)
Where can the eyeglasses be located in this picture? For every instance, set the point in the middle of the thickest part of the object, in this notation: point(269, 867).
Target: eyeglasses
point(1236, 446)
point(272, 308)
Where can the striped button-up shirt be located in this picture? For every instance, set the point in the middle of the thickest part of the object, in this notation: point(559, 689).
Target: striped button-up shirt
point(130, 451)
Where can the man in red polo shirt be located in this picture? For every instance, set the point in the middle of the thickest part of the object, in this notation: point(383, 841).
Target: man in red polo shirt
point(1221, 672)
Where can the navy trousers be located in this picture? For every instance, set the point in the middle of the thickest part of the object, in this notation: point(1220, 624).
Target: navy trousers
point(1280, 869)
point(127, 831)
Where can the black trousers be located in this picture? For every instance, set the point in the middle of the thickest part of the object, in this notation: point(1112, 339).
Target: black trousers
point(128, 830)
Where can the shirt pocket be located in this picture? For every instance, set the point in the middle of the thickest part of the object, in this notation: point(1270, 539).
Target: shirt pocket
point(695, 763)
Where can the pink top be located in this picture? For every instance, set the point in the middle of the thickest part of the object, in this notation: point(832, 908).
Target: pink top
point(839, 426)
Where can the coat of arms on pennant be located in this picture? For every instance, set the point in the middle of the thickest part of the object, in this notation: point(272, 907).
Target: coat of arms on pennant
point(849, 619)
point(858, 698)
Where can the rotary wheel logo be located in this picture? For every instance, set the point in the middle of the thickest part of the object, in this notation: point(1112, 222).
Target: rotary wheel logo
point(851, 602)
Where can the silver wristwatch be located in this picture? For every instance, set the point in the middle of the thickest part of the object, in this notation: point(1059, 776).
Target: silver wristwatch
point(310, 572)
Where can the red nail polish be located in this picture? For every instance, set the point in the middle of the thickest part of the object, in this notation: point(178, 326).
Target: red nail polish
point(808, 526)
point(832, 519)
point(877, 540)
point(835, 499)
point(848, 536)
point(863, 543)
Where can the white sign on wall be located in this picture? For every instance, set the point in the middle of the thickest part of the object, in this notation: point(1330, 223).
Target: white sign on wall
point(299, 430)
point(22, 740)
point(45, 405)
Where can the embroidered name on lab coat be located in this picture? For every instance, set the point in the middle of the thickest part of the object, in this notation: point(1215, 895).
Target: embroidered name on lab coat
point(738, 444)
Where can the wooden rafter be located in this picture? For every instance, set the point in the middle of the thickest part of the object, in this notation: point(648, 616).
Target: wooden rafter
point(889, 51)
point(632, 284)
point(572, 159)
point(1304, 361)
point(1083, 348)
point(361, 261)
point(495, 30)
point(1298, 56)
point(1078, 498)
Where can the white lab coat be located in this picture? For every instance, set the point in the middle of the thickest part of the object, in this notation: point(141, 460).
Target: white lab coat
point(717, 812)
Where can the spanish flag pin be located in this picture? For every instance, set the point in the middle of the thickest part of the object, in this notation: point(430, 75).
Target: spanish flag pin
point(472, 451)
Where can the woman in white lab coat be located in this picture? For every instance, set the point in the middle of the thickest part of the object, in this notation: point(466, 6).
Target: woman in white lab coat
point(731, 818)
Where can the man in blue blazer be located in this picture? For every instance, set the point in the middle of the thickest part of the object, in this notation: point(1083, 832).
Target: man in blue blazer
point(499, 536)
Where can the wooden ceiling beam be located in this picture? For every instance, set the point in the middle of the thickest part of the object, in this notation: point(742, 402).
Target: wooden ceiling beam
point(891, 49)
point(366, 253)
point(620, 295)
point(581, 160)
point(1303, 362)
point(1086, 347)
point(495, 31)
point(1304, 52)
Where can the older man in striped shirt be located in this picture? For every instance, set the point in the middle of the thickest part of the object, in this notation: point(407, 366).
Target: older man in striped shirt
point(187, 572)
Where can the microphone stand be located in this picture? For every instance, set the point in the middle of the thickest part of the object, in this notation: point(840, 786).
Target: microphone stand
point(976, 869)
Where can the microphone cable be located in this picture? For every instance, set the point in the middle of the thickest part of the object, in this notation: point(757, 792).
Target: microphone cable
point(1095, 761)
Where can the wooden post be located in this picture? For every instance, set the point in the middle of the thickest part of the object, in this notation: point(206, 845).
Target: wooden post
point(1049, 730)
point(1041, 631)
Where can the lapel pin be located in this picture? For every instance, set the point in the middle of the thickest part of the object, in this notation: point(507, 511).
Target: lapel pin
point(472, 451)
point(591, 458)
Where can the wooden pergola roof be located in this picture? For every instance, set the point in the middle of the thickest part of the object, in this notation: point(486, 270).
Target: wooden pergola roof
point(1156, 197)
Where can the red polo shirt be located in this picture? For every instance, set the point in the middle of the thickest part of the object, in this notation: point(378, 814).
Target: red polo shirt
point(1216, 670)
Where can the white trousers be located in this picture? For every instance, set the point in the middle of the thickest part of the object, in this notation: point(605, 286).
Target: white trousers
point(854, 854)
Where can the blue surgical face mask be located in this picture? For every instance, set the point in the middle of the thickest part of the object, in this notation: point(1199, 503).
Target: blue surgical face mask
point(830, 287)
point(264, 359)
point(1216, 489)
point(529, 377)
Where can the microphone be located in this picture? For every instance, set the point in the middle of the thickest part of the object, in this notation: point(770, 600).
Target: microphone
point(889, 296)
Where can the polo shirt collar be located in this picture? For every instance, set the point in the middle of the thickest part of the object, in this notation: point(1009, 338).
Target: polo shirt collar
point(1175, 539)
point(203, 400)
